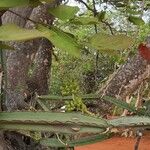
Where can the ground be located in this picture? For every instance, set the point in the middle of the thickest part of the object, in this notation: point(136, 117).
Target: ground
point(120, 143)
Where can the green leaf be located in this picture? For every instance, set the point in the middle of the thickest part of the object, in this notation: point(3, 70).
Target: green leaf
point(84, 20)
point(11, 32)
point(102, 41)
point(53, 142)
point(64, 12)
point(136, 20)
point(120, 103)
point(42, 105)
point(61, 40)
point(13, 3)
point(17, 3)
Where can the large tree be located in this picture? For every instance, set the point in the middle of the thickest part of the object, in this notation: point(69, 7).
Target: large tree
point(21, 85)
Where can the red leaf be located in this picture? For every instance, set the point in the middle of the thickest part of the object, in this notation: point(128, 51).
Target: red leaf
point(144, 51)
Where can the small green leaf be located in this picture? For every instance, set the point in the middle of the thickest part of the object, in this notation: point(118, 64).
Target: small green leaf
point(64, 12)
point(13, 3)
point(102, 41)
point(84, 20)
point(61, 40)
point(11, 32)
point(136, 20)
point(120, 103)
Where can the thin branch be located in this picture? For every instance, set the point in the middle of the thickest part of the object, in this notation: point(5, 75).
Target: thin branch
point(2, 12)
point(109, 26)
point(81, 1)
point(55, 56)
point(95, 13)
point(97, 52)
point(25, 18)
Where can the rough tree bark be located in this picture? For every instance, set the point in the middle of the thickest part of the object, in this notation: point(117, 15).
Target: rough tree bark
point(17, 73)
point(127, 79)
point(18, 63)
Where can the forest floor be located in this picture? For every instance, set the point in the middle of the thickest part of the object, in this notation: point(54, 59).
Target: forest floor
point(119, 143)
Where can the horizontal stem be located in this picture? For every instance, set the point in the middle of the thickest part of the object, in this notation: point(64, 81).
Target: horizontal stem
point(55, 97)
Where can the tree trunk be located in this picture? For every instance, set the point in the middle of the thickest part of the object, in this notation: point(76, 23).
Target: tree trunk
point(126, 80)
point(18, 64)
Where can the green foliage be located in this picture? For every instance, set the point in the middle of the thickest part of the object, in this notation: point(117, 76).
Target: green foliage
point(61, 40)
point(136, 20)
point(67, 74)
point(11, 32)
point(101, 16)
point(143, 31)
point(69, 87)
point(110, 42)
point(4, 4)
point(84, 21)
point(76, 105)
point(13, 3)
point(120, 103)
point(64, 12)
point(143, 111)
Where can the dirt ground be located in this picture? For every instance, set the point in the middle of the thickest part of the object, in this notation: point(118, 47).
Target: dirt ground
point(119, 143)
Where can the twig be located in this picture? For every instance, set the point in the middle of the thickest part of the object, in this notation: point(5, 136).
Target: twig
point(86, 5)
point(55, 56)
point(95, 13)
point(66, 145)
point(109, 26)
point(25, 18)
